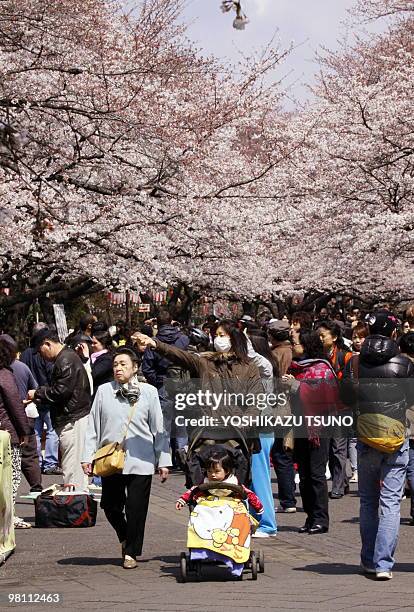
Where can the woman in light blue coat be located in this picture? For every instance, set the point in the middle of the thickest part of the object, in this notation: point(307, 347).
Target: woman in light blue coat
point(125, 496)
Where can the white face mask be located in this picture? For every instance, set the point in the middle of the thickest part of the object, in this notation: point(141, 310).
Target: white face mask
point(222, 344)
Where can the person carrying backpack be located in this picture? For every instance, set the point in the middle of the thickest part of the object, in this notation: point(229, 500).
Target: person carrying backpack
point(338, 356)
point(379, 385)
point(163, 374)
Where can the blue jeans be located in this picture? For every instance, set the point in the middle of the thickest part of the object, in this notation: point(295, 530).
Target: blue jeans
point(381, 478)
point(410, 475)
point(262, 485)
point(51, 458)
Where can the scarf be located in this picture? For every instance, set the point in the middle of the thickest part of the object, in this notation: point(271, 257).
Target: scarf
point(130, 390)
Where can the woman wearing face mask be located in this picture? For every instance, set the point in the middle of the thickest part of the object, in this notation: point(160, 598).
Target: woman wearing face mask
point(226, 369)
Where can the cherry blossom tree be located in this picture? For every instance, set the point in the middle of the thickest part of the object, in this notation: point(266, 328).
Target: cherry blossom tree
point(374, 9)
point(129, 160)
point(354, 199)
point(126, 158)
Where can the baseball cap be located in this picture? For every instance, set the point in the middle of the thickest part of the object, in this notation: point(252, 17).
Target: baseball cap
point(381, 322)
point(279, 325)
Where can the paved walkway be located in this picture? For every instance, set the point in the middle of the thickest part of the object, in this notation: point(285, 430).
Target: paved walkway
point(302, 572)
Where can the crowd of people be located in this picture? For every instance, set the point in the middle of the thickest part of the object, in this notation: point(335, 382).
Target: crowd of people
point(61, 401)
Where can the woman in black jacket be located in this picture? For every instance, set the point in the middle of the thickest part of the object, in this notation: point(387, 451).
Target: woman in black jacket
point(101, 357)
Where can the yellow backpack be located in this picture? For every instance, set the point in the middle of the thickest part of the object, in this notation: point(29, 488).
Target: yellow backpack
point(381, 432)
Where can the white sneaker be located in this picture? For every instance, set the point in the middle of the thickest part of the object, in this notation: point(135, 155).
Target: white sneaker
point(297, 479)
point(263, 534)
point(385, 575)
point(290, 510)
point(94, 487)
point(354, 477)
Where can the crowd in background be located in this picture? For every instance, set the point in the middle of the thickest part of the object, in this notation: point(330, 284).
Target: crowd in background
point(47, 391)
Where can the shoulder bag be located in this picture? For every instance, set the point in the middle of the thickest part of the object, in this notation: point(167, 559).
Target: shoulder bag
point(110, 459)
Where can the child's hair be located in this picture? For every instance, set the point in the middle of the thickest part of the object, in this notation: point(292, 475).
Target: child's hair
point(222, 459)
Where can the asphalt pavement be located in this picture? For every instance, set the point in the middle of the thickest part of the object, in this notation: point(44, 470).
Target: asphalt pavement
point(302, 572)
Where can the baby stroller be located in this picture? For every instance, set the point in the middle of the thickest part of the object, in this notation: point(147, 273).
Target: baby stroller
point(200, 447)
point(219, 533)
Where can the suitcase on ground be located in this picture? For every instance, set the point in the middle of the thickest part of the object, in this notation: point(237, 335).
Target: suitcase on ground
point(60, 508)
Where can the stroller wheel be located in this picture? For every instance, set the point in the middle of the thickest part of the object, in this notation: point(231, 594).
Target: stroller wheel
point(183, 567)
point(254, 565)
point(260, 562)
point(198, 570)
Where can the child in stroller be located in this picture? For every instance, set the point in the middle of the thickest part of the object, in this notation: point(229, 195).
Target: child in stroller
point(220, 526)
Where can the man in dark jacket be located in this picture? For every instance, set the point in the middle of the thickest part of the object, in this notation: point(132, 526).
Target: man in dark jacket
point(69, 397)
point(155, 368)
point(380, 383)
point(42, 372)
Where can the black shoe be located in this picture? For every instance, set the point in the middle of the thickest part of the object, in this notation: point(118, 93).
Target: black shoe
point(412, 522)
point(334, 495)
point(347, 490)
point(36, 489)
point(54, 471)
point(304, 529)
point(317, 529)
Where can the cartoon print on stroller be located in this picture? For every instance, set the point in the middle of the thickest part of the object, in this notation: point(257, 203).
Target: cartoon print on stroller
point(220, 526)
point(219, 532)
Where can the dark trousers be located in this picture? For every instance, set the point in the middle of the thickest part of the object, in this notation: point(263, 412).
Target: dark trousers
point(313, 488)
point(338, 453)
point(30, 460)
point(125, 501)
point(285, 473)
